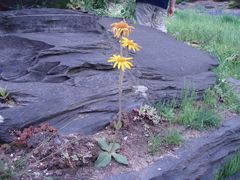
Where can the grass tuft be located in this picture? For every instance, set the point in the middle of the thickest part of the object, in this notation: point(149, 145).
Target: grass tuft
point(194, 115)
point(166, 110)
point(229, 169)
point(173, 138)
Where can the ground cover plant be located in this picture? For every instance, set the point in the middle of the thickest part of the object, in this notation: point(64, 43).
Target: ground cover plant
point(229, 169)
point(4, 95)
point(196, 115)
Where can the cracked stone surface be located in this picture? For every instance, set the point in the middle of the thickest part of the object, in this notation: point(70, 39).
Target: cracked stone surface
point(53, 62)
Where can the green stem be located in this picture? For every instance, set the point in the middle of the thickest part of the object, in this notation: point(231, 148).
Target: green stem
point(120, 96)
point(120, 88)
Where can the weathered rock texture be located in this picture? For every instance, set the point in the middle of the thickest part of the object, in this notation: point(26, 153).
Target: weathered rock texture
point(199, 158)
point(54, 64)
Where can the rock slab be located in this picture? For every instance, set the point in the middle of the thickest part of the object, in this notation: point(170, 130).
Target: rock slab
point(54, 64)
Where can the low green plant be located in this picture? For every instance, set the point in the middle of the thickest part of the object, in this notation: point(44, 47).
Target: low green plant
point(109, 151)
point(210, 98)
point(187, 110)
point(194, 115)
point(150, 113)
point(166, 110)
point(156, 141)
point(154, 144)
point(6, 172)
point(173, 138)
point(229, 169)
point(4, 94)
point(206, 118)
point(227, 95)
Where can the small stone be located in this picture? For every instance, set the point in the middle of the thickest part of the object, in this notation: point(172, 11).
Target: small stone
point(37, 174)
point(125, 138)
point(159, 169)
point(58, 172)
point(1, 119)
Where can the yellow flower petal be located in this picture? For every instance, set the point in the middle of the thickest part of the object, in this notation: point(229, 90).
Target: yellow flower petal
point(121, 62)
point(121, 28)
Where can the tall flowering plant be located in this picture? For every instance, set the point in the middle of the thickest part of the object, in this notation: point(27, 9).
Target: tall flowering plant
point(121, 31)
point(122, 62)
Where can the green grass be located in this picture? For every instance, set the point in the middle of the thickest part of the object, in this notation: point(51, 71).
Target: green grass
point(171, 138)
point(194, 115)
point(154, 143)
point(219, 36)
point(5, 172)
point(229, 169)
point(210, 98)
point(166, 110)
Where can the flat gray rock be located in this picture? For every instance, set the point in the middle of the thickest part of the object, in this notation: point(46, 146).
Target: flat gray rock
point(54, 64)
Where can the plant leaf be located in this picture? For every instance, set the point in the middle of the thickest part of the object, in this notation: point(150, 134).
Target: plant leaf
point(115, 148)
point(120, 158)
point(103, 144)
point(103, 159)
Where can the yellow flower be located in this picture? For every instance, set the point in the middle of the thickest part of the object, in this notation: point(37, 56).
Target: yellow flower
point(121, 28)
point(121, 62)
point(130, 44)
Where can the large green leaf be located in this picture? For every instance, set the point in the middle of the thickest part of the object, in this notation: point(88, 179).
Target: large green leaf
point(120, 158)
point(103, 159)
point(115, 148)
point(103, 145)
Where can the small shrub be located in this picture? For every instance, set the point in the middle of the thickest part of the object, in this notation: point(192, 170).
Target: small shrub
point(173, 138)
point(149, 113)
point(229, 169)
point(154, 143)
point(166, 110)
